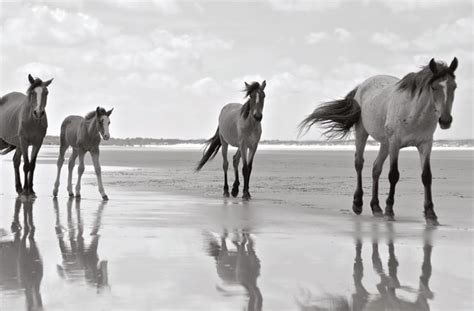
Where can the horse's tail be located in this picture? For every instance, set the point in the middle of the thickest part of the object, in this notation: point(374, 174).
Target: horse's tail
point(211, 148)
point(5, 147)
point(335, 117)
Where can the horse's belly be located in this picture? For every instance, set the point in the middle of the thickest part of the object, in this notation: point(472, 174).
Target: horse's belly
point(228, 120)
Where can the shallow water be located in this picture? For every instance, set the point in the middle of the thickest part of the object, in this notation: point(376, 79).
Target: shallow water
point(147, 250)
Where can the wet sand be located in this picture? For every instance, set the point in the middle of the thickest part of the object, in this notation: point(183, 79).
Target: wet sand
point(167, 239)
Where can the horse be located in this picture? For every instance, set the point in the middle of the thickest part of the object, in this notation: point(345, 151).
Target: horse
point(83, 134)
point(23, 123)
point(239, 126)
point(397, 113)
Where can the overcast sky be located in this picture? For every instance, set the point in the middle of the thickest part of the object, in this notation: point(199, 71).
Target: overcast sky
point(167, 67)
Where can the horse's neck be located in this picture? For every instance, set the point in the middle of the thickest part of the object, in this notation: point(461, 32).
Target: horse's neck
point(423, 107)
point(92, 129)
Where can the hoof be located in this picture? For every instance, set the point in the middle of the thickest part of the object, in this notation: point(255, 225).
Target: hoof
point(78, 196)
point(15, 227)
point(105, 198)
point(357, 209)
point(378, 214)
point(71, 195)
point(432, 221)
point(235, 192)
point(226, 194)
point(390, 217)
point(55, 193)
point(246, 196)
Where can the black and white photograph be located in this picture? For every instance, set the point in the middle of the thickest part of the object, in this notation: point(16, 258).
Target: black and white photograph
point(307, 155)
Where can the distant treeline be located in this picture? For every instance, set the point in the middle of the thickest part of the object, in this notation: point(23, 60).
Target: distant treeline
point(139, 141)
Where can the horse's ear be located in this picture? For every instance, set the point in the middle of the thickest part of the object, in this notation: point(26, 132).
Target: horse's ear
point(264, 84)
point(246, 85)
point(47, 83)
point(454, 65)
point(97, 110)
point(433, 66)
point(108, 113)
point(31, 79)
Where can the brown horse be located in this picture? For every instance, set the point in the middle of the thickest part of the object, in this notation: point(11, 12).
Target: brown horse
point(23, 123)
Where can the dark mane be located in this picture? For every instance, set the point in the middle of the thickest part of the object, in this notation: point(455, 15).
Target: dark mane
point(90, 115)
point(249, 89)
point(100, 111)
point(416, 82)
point(35, 84)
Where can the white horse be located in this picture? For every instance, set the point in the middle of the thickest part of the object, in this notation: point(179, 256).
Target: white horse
point(83, 135)
point(239, 126)
point(397, 113)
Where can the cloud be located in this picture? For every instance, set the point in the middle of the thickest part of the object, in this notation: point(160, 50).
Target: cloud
point(40, 70)
point(390, 41)
point(339, 34)
point(42, 25)
point(446, 36)
point(156, 81)
point(166, 7)
point(316, 37)
point(303, 5)
point(398, 6)
point(205, 86)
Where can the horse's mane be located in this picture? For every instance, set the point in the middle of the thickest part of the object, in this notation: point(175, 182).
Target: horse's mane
point(416, 82)
point(93, 113)
point(249, 89)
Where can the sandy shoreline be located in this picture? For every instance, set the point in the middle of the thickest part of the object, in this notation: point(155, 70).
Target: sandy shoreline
point(160, 236)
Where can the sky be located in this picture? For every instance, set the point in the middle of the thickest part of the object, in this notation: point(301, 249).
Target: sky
point(167, 67)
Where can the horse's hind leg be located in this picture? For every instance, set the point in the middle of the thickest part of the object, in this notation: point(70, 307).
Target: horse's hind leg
point(16, 165)
point(225, 166)
point(80, 171)
point(235, 162)
point(361, 136)
point(62, 151)
point(376, 171)
point(72, 162)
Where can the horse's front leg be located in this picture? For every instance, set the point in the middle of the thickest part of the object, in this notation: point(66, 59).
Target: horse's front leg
point(98, 172)
point(393, 177)
point(426, 177)
point(235, 162)
point(34, 155)
point(80, 171)
point(245, 172)
point(26, 166)
point(16, 166)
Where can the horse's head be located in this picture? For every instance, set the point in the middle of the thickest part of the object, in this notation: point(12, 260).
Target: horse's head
point(443, 85)
point(255, 92)
point(103, 121)
point(37, 95)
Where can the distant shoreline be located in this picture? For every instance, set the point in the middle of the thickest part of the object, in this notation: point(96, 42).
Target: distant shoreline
point(271, 144)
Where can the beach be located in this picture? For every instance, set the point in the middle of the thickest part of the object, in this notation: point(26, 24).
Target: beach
point(168, 240)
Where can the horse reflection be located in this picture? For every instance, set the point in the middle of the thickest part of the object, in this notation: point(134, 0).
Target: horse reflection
point(238, 267)
point(80, 260)
point(387, 287)
point(21, 266)
point(387, 298)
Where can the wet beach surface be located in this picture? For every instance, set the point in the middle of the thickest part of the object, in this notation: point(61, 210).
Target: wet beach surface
point(168, 240)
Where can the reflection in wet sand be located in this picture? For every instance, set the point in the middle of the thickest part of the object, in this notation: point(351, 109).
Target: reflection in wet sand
point(387, 297)
point(237, 267)
point(80, 261)
point(21, 265)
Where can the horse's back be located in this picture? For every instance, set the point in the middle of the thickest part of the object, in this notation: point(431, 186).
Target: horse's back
point(10, 110)
point(228, 123)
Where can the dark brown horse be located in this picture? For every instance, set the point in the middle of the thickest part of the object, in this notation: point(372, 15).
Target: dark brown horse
point(23, 123)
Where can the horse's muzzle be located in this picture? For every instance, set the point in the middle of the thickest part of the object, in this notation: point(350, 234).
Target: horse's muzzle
point(38, 115)
point(445, 123)
point(258, 117)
